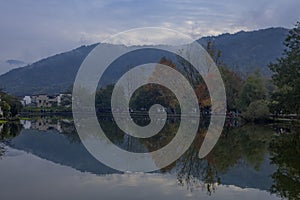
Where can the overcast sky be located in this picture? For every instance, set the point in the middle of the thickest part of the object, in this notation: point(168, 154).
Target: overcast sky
point(33, 29)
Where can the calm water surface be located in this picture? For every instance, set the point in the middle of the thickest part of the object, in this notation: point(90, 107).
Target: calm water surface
point(45, 159)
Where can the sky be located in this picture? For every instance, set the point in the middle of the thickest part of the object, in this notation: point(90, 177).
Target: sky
point(35, 29)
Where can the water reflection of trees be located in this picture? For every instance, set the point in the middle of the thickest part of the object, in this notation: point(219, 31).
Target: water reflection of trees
point(249, 142)
point(8, 131)
point(285, 151)
point(68, 129)
point(63, 126)
point(193, 172)
point(247, 145)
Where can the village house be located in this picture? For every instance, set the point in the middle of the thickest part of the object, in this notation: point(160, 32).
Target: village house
point(46, 101)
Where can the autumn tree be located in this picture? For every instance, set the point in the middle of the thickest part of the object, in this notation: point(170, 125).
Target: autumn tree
point(147, 95)
point(233, 84)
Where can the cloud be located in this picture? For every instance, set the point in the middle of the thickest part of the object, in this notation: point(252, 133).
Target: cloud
point(32, 29)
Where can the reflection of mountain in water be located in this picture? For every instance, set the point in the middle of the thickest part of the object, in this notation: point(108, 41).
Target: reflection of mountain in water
point(59, 148)
point(246, 176)
point(240, 157)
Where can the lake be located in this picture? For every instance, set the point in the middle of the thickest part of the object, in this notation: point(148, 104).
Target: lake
point(43, 158)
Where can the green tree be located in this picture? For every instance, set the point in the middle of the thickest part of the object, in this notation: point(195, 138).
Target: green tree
point(253, 89)
point(103, 97)
point(6, 109)
point(232, 81)
point(233, 85)
point(257, 111)
point(286, 75)
point(66, 100)
point(11, 105)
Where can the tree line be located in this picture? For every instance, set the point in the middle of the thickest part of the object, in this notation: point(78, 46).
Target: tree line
point(10, 105)
point(255, 97)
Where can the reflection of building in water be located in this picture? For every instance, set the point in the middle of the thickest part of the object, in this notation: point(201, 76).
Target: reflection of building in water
point(42, 124)
point(26, 124)
point(1, 127)
point(1, 112)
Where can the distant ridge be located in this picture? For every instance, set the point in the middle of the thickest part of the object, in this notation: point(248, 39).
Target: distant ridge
point(247, 51)
point(243, 52)
point(48, 76)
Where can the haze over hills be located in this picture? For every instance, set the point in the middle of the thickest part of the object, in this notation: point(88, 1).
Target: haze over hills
point(243, 52)
point(8, 65)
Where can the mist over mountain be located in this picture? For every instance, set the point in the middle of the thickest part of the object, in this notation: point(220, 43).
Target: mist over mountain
point(8, 65)
point(243, 52)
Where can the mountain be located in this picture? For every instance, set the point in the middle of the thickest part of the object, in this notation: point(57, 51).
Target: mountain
point(243, 52)
point(247, 51)
point(47, 76)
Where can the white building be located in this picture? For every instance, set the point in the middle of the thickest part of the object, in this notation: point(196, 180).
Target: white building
point(26, 124)
point(26, 101)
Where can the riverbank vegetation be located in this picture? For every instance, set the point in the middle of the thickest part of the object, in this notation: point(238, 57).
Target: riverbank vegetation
point(10, 106)
point(254, 98)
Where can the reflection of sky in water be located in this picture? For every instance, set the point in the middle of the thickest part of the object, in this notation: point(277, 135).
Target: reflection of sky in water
point(30, 177)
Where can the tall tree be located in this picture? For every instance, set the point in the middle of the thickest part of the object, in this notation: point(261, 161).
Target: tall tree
point(150, 94)
point(233, 84)
point(232, 81)
point(286, 75)
point(254, 89)
point(11, 105)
